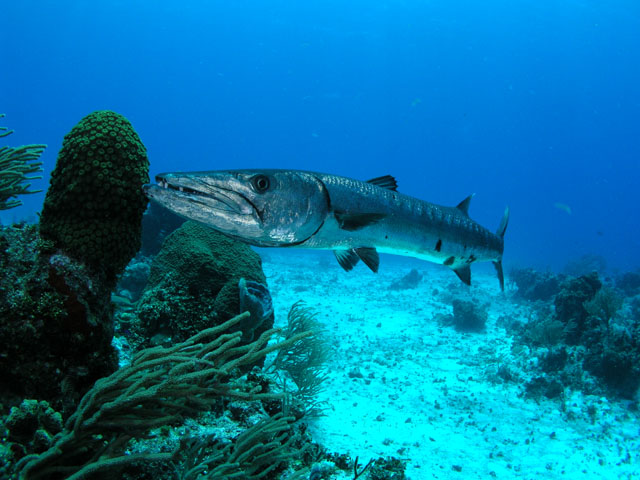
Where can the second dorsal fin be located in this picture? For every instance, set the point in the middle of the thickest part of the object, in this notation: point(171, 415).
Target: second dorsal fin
point(386, 181)
point(463, 206)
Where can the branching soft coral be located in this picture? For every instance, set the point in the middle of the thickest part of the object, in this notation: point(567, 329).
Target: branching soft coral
point(305, 361)
point(160, 387)
point(16, 163)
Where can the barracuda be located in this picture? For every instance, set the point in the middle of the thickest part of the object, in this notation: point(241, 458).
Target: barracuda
point(355, 219)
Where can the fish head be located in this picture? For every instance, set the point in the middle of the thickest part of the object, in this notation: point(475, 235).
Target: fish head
point(266, 208)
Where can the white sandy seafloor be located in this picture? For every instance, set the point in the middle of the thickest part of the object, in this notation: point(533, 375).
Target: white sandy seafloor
point(403, 385)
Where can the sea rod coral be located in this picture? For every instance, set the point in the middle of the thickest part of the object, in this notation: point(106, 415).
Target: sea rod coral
point(16, 163)
point(162, 385)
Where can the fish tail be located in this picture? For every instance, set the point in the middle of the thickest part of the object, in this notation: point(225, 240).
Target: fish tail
point(500, 233)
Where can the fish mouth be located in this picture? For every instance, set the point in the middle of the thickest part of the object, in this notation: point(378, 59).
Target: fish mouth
point(208, 192)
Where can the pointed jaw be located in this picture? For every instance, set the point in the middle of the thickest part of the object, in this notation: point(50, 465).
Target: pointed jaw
point(213, 199)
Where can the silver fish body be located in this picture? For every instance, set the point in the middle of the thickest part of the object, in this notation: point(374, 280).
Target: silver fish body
point(355, 219)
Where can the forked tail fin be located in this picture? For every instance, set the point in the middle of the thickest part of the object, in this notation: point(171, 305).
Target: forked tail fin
point(500, 233)
point(503, 224)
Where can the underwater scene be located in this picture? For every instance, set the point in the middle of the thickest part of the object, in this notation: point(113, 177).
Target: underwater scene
point(321, 240)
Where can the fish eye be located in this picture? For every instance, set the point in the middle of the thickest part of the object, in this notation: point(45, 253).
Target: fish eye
point(260, 183)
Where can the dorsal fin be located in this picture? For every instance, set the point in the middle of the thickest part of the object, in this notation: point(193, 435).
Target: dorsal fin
point(463, 206)
point(386, 181)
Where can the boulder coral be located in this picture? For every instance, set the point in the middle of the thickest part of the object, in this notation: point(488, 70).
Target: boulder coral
point(194, 284)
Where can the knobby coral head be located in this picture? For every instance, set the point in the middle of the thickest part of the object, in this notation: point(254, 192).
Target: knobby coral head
point(93, 208)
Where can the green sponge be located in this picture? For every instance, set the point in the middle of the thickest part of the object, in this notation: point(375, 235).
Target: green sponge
point(93, 208)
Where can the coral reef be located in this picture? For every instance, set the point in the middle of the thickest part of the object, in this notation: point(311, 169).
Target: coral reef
point(545, 331)
point(629, 283)
point(93, 208)
point(533, 285)
point(305, 364)
point(258, 452)
point(389, 468)
point(16, 163)
point(569, 304)
point(468, 316)
point(160, 387)
point(585, 265)
point(589, 343)
point(31, 427)
point(410, 280)
point(56, 319)
point(612, 344)
point(194, 283)
point(541, 386)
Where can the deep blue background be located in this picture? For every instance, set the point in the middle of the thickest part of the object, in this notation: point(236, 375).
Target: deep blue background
point(526, 103)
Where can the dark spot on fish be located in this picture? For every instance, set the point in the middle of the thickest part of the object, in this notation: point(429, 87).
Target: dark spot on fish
point(439, 245)
point(386, 237)
point(449, 261)
point(472, 258)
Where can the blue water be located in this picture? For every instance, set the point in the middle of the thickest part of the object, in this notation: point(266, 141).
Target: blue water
point(526, 103)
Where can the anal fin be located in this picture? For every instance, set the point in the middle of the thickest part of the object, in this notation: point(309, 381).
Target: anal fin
point(464, 274)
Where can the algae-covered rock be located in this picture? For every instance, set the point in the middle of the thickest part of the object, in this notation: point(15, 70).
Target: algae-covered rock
point(24, 421)
point(29, 428)
point(193, 284)
point(55, 322)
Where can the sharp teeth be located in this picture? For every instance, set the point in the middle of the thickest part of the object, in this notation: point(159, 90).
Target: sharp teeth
point(181, 189)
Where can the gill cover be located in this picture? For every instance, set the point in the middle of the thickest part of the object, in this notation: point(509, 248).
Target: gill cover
point(290, 206)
